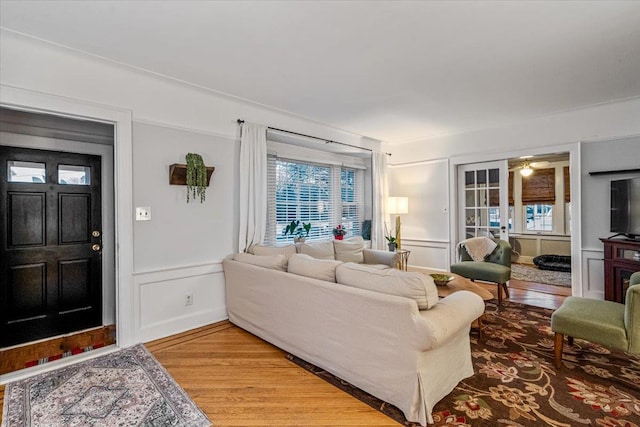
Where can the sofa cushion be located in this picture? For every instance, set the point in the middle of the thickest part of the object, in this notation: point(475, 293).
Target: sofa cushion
point(349, 250)
point(372, 256)
point(305, 265)
point(319, 250)
point(417, 286)
point(482, 270)
point(275, 262)
point(262, 250)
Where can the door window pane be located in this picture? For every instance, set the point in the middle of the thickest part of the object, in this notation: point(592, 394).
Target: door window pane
point(494, 177)
point(482, 198)
point(494, 197)
point(482, 178)
point(74, 175)
point(18, 171)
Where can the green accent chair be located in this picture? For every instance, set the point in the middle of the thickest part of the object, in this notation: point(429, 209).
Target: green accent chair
point(495, 268)
point(603, 322)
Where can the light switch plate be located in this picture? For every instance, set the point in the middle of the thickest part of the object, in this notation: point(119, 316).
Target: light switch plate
point(143, 213)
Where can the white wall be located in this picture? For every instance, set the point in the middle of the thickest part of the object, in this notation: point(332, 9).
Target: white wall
point(612, 155)
point(548, 134)
point(182, 233)
point(589, 124)
point(180, 250)
point(609, 155)
point(425, 229)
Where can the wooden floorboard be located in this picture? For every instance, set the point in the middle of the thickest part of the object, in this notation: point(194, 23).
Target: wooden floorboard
point(238, 379)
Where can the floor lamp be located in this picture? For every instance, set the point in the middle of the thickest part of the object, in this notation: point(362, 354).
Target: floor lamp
point(398, 206)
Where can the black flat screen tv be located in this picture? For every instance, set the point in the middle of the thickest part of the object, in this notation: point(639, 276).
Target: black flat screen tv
point(625, 207)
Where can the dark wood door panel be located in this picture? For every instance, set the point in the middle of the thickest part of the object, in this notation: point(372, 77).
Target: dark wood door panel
point(27, 292)
point(26, 222)
point(50, 277)
point(75, 289)
point(74, 224)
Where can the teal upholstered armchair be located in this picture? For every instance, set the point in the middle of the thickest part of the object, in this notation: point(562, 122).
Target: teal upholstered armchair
point(496, 268)
point(603, 322)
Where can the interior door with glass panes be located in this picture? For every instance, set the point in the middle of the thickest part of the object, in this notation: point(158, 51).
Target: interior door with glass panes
point(483, 200)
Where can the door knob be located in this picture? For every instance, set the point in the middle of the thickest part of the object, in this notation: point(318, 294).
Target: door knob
point(95, 247)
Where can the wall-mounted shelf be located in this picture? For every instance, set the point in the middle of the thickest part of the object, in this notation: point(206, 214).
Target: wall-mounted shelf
point(618, 172)
point(178, 174)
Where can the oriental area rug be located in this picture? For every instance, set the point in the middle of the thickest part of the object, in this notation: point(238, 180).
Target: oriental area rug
point(125, 388)
point(516, 384)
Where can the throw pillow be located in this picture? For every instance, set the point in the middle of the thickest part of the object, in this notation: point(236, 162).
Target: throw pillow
point(417, 286)
point(373, 256)
point(262, 250)
point(275, 262)
point(305, 265)
point(349, 250)
point(319, 250)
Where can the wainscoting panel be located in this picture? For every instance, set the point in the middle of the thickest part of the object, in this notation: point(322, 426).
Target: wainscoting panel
point(593, 273)
point(528, 246)
point(162, 299)
point(427, 253)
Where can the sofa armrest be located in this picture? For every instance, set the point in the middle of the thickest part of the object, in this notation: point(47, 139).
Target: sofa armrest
point(632, 313)
point(374, 256)
point(450, 315)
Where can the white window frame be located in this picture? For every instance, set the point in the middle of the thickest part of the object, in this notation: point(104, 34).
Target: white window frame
point(274, 229)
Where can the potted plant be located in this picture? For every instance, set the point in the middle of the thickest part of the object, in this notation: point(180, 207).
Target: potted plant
point(196, 177)
point(339, 232)
point(297, 230)
point(393, 244)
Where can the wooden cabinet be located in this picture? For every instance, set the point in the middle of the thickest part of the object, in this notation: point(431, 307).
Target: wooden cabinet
point(621, 260)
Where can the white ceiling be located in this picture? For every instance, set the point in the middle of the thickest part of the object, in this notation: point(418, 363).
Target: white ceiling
point(395, 71)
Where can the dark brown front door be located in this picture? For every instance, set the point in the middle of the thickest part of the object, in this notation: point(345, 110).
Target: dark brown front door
point(50, 244)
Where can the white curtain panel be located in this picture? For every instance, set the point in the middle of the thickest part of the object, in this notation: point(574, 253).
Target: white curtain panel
point(380, 193)
point(253, 185)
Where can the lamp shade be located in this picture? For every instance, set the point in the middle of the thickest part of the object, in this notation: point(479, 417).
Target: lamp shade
point(398, 205)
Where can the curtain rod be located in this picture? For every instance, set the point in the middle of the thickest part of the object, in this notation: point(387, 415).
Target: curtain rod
point(328, 141)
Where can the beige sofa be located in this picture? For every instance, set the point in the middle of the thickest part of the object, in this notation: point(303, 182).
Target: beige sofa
point(366, 329)
point(353, 249)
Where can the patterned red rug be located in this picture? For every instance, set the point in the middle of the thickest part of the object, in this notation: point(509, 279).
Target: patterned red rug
point(516, 384)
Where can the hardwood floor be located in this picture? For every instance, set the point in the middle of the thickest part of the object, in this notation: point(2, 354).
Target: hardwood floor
point(546, 296)
point(239, 380)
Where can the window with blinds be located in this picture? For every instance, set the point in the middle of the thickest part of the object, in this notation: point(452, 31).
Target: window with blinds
point(324, 195)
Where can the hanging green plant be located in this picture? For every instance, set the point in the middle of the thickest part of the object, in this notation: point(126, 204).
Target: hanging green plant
point(196, 177)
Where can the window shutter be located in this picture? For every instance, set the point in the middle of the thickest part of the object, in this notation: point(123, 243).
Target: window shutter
point(540, 187)
point(567, 184)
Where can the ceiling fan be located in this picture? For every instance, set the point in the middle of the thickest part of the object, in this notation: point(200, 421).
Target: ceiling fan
point(526, 167)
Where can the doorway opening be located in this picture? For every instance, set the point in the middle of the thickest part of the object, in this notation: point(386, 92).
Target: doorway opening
point(527, 202)
point(57, 284)
point(539, 202)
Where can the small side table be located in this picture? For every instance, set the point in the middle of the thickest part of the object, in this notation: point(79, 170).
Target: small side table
point(404, 259)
